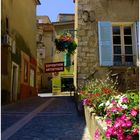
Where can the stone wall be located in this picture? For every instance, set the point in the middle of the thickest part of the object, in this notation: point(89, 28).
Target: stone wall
point(87, 32)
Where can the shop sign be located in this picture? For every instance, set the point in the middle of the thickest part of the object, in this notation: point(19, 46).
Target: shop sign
point(54, 67)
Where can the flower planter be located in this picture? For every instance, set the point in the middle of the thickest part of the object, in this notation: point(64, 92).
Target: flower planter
point(94, 122)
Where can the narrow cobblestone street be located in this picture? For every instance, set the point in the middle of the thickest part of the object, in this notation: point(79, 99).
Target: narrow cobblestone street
point(53, 118)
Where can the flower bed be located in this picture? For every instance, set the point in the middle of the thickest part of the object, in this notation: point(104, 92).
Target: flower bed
point(116, 115)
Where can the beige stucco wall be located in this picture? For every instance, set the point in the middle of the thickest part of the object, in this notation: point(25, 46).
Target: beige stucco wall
point(21, 16)
point(47, 33)
point(22, 19)
point(49, 52)
point(87, 35)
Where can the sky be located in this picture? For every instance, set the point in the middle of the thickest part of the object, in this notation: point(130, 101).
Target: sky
point(52, 8)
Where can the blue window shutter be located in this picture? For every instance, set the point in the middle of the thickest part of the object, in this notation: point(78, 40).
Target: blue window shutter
point(105, 43)
point(67, 59)
point(136, 41)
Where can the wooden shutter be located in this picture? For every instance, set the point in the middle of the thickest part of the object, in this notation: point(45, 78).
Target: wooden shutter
point(136, 41)
point(105, 43)
point(67, 59)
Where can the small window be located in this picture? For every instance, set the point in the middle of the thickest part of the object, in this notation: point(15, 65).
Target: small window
point(7, 25)
point(25, 71)
point(122, 45)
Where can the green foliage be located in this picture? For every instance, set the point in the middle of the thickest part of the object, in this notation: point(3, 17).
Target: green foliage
point(97, 91)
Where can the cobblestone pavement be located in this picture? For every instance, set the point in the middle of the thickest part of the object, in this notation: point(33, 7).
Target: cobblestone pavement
point(12, 113)
point(58, 121)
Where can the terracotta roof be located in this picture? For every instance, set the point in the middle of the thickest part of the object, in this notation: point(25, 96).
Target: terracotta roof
point(63, 22)
point(71, 14)
point(46, 26)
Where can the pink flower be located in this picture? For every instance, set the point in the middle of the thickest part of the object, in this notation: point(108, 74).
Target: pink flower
point(108, 121)
point(124, 99)
point(123, 124)
point(120, 109)
point(128, 123)
point(120, 132)
point(97, 134)
point(114, 109)
point(133, 112)
point(117, 124)
point(123, 116)
point(108, 112)
point(114, 132)
point(129, 137)
point(121, 137)
point(114, 102)
point(107, 134)
point(135, 131)
point(109, 131)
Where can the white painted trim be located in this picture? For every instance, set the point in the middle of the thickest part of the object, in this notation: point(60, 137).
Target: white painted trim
point(14, 64)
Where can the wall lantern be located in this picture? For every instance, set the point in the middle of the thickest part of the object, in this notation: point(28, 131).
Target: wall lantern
point(88, 16)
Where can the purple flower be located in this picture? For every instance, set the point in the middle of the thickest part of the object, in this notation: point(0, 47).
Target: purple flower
point(86, 102)
point(133, 112)
point(124, 99)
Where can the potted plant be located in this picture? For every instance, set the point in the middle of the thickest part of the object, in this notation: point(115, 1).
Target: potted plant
point(65, 43)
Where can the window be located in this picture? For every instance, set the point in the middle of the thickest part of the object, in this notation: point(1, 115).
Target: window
point(122, 45)
point(118, 43)
point(25, 71)
point(32, 77)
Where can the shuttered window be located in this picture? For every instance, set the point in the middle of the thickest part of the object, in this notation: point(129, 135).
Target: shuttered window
point(105, 43)
point(116, 44)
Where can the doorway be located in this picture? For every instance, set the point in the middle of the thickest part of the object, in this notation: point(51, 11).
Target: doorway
point(66, 83)
point(14, 82)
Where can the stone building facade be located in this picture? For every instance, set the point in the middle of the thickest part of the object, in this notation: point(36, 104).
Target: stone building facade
point(95, 22)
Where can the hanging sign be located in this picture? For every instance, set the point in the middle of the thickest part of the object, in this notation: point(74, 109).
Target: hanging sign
point(54, 67)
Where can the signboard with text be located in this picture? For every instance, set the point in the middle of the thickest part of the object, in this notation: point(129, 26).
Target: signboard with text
point(54, 67)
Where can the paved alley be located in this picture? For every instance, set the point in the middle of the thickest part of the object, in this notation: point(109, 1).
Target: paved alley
point(53, 118)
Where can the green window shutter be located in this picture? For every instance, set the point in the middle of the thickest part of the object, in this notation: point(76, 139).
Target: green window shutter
point(105, 43)
point(67, 59)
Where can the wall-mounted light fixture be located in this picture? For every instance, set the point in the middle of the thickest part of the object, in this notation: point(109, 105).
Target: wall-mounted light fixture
point(88, 16)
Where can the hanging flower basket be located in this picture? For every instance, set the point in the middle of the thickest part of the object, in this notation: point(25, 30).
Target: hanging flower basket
point(65, 43)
